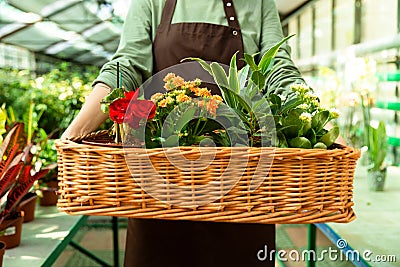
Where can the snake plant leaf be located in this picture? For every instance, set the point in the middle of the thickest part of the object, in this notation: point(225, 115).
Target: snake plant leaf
point(378, 145)
point(221, 79)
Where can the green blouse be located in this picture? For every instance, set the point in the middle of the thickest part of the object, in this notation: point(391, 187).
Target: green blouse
point(258, 19)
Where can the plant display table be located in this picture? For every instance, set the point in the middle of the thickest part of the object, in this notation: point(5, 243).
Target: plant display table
point(375, 232)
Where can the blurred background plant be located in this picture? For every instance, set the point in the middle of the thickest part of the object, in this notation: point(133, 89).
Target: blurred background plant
point(57, 95)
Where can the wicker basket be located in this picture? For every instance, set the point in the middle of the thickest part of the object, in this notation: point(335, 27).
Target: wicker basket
point(300, 186)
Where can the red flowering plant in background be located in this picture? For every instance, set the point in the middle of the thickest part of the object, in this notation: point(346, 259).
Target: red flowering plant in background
point(124, 107)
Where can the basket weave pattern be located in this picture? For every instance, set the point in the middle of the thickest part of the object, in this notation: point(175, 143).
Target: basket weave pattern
point(301, 185)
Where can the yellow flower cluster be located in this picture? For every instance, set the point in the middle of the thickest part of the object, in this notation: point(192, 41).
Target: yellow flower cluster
point(181, 91)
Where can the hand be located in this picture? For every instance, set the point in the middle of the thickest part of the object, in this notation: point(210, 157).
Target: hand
point(90, 117)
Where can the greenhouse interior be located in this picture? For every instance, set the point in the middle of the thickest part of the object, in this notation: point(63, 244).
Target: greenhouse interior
point(94, 173)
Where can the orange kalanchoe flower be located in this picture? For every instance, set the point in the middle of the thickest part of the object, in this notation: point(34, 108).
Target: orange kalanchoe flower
point(182, 98)
point(212, 106)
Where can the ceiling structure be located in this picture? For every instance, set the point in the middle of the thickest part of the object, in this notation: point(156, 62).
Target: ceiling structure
point(84, 31)
point(286, 7)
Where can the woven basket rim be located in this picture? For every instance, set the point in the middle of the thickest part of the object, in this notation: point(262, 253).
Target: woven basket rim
point(294, 190)
point(337, 148)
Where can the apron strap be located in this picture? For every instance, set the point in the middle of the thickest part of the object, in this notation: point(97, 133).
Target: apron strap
point(168, 11)
point(229, 9)
point(230, 14)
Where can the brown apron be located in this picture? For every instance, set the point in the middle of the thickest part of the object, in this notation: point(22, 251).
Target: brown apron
point(159, 243)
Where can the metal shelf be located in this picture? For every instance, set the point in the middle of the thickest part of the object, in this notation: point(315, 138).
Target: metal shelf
point(392, 105)
point(394, 141)
point(389, 77)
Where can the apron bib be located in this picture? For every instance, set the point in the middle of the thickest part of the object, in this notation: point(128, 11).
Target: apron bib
point(164, 243)
point(211, 42)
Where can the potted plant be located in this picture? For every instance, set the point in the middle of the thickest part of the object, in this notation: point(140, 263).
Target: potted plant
point(45, 156)
point(18, 173)
point(377, 150)
point(28, 206)
point(47, 186)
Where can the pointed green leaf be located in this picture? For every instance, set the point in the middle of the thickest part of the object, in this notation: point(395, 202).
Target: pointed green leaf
point(243, 76)
point(204, 64)
point(233, 75)
point(312, 136)
point(258, 79)
point(249, 59)
point(219, 75)
point(270, 54)
point(275, 99)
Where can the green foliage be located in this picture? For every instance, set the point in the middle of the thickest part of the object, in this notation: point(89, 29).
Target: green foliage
point(299, 121)
point(57, 95)
point(3, 121)
point(377, 146)
point(18, 169)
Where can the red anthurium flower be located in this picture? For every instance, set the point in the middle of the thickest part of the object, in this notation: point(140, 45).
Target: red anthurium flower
point(131, 110)
point(139, 109)
point(132, 94)
point(118, 109)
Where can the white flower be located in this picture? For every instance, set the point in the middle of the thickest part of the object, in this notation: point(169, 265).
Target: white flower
point(303, 106)
point(283, 98)
point(315, 103)
point(310, 96)
point(305, 117)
